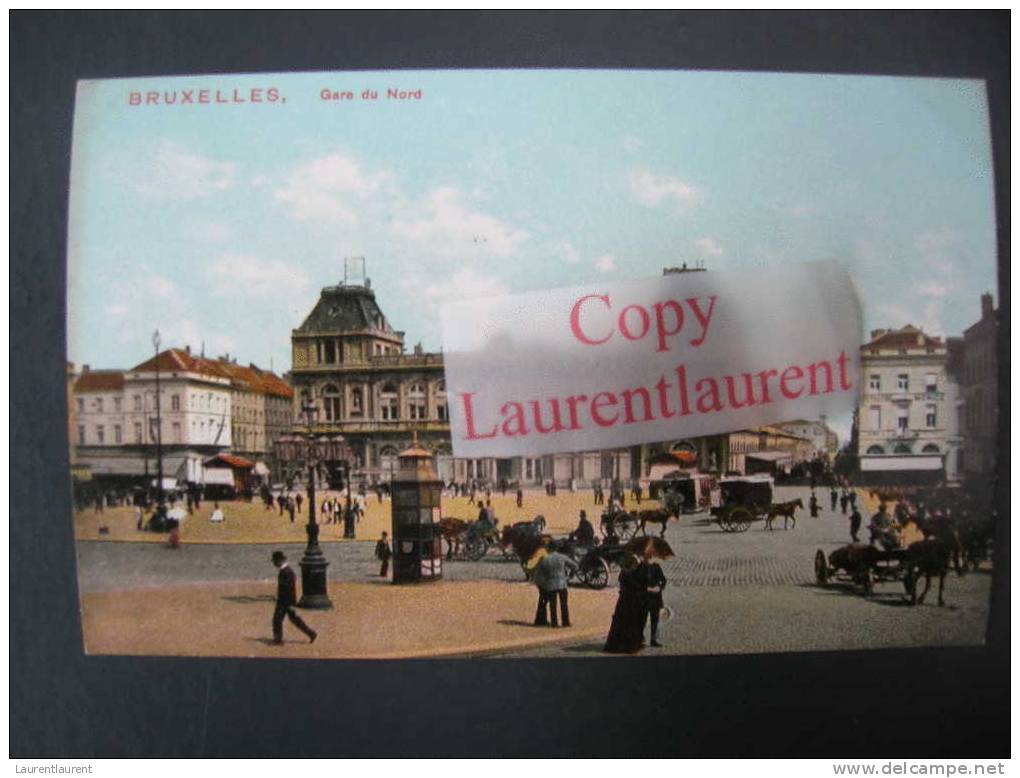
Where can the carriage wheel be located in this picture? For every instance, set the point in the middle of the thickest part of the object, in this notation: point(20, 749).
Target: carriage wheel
point(475, 548)
point(741, 518)
point(627, 530)
point(821, 568)
point(595, 573)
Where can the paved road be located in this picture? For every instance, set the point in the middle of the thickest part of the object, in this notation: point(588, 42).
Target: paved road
point(731, 592)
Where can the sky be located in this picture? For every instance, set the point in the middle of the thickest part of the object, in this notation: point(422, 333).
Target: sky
point(218, 223)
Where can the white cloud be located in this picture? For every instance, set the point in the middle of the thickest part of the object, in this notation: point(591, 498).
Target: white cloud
point(209, 230)
point(709, 247)
point(631, 143)
point(323, 189)
point(443, 224)
point(117, 309)
point(605, 263)
point(465, 284)
point(652, 190)
point(933, 289)
point(253, 276)
point(569, 252)
point(155, 286)
point(174, 173)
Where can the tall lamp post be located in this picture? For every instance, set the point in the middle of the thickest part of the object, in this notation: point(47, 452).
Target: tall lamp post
point(160, 496)
point(313, 451)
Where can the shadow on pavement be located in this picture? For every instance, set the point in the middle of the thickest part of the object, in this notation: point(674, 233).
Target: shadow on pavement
point(888, 599)
point(519, 623)
point(247, 599)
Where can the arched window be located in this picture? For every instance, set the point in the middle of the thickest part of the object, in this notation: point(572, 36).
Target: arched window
point(416, 404)
point(388, 460)
point(331, 403)
point(389, 407)
point(902, 448)
point(876, 450)
point(931, 448)
point(441, 413)
point(357, 402)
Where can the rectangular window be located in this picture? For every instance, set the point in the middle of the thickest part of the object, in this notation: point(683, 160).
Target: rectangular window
point(116, 404)
point(875, 383)
point(116, 434)
point(903, 382)
point(81, 405)
point(81, 435)
point(175, 402)
point(138, 402)
point(901, 423)
point(99, 434)
point(177, 432)
point(99, 404)
point(138, 432)
point(874, 418)
point(929, 416)
point(330, 352)
point(931, 383)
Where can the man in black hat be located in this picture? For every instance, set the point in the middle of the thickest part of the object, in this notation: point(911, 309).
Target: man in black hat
point(286, 597)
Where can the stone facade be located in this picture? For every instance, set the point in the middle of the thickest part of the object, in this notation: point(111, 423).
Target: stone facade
point(351, 365)
point(907, 416)
point(980, 390)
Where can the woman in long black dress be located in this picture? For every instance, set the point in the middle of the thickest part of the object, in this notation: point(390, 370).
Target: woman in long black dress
point(626, 633)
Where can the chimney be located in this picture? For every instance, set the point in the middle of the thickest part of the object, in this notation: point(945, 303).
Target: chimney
point(986, 305)
point(187, 350)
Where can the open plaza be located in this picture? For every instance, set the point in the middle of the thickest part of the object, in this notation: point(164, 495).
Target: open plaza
point(748, 592)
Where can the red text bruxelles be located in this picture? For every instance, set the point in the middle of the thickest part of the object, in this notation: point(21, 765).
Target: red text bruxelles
point(673, 395)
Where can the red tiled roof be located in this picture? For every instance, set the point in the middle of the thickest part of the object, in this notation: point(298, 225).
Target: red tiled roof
point(251, 378)
point(100, 381)
point(230, 460)
point(905, 338)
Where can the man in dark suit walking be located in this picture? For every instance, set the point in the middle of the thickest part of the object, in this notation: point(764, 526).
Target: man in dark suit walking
point(286, 597)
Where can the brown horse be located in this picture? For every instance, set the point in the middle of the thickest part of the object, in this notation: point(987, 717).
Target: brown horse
point(929, 558)
point(658, 516)
point(788, 510)
point(451, 530)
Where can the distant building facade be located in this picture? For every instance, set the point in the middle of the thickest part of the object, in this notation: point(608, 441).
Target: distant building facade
point(980, 390)
point(907, 417)
point(205, 407)
point(824, 442)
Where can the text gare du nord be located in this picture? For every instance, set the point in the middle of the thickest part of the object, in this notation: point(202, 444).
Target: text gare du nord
point(667, 398)
point(340, 95)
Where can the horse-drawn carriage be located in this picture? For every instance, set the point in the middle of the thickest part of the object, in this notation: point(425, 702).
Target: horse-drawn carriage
point(740, 500)
point(904, 561)
point(594, 568)
point(469, 540)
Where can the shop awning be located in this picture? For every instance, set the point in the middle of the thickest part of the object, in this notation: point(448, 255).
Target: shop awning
point(229, 460)
point(770, 456)
point(877, 463)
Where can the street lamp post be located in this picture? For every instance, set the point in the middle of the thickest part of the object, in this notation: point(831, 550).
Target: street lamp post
point(160, 497)
point(312, 451)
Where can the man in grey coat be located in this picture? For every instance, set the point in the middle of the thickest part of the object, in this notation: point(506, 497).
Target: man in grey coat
point(551, 578)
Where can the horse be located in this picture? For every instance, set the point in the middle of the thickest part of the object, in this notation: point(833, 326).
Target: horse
point(930, 557)
point(450, 530)
point(788, 510)
point(659, 516)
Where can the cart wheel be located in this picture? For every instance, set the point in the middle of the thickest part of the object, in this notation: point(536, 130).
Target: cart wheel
point(741, 519)
point(475, 548)
point(821, 568)
point(595, 573)
point(628, 530)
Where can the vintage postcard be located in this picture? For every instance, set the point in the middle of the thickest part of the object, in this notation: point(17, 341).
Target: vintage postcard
point(531, 363)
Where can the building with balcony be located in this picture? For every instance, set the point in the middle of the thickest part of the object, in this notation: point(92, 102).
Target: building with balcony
point(351, 365)
point(907, 421)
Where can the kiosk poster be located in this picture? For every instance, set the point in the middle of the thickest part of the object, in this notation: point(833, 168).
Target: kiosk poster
point(531, 363)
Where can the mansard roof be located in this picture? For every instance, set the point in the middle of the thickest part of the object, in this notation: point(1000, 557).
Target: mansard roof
point(909, 337)
point(347, 309)
point(100, 381)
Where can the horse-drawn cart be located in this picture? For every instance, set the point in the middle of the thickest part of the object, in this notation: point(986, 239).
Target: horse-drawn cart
point(619, 523)
point(740, 500)
point(864, 566)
